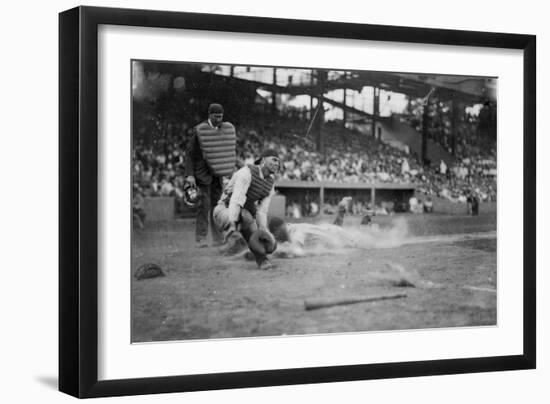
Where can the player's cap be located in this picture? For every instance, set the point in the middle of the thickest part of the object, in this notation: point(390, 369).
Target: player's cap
point(267, 153)
point(215, 109)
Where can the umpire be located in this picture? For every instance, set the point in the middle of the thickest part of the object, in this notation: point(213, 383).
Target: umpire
point(211, 156)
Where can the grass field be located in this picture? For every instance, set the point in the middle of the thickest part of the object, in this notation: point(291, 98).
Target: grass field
point(450, 260)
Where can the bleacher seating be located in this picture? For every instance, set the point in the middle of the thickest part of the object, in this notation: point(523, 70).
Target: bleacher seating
point(349, 157)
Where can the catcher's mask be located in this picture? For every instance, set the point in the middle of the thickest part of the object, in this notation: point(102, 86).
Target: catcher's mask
point(192, 196)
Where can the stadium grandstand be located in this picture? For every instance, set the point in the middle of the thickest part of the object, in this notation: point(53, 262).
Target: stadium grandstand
point(381, 137)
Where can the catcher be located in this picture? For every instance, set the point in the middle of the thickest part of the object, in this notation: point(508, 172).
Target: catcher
point(241, 213)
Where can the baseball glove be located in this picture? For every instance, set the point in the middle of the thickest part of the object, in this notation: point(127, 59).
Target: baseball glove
point(262, 243)
point(147, 271)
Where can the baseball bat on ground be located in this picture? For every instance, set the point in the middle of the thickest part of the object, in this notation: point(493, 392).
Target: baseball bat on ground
point(313, 304)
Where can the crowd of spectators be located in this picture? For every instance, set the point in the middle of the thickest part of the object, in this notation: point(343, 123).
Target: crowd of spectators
point(474, 172)
point(349, 157)
point(158, 164)
point(364, 159)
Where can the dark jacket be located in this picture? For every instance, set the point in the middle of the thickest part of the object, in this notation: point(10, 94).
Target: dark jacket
point(195, 164)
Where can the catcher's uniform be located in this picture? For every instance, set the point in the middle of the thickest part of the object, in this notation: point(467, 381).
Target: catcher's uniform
point(247, 190)
point(244, 204)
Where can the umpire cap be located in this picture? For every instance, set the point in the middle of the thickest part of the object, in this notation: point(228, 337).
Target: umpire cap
point(215, 109)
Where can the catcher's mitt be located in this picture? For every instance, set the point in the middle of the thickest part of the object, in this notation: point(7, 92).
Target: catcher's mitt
point(262, 243)
point(147, 271)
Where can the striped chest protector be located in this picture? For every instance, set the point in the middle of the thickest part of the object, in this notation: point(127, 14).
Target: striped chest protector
point(259, 188)
point(218, 147)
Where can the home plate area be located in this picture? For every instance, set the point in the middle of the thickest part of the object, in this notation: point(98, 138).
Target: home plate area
point(404, 272)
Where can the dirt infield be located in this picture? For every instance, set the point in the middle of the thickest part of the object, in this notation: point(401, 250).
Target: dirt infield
point(451, 260)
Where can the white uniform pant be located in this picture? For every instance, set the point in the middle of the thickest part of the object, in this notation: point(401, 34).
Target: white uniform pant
point(246, 225)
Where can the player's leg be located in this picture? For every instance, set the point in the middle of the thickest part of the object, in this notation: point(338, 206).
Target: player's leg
point(215, 194)
point(249, 228)
point(203, 211)
point(233, 240)
point(343, 206)
point(248, 224)
point(220, 216)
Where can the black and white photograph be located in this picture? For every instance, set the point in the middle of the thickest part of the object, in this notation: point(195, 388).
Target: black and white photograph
point(273, 201)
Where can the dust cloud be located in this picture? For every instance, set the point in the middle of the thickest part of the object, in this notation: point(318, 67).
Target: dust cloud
point(328, 239)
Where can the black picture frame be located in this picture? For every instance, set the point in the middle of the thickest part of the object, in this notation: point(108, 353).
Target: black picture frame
point(78, 201)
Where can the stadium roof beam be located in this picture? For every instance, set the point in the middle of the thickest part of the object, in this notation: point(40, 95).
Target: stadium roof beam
point(309, 90)
point(449, 88)
point(348, 109)
point(474, 89)
point(470, 89)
